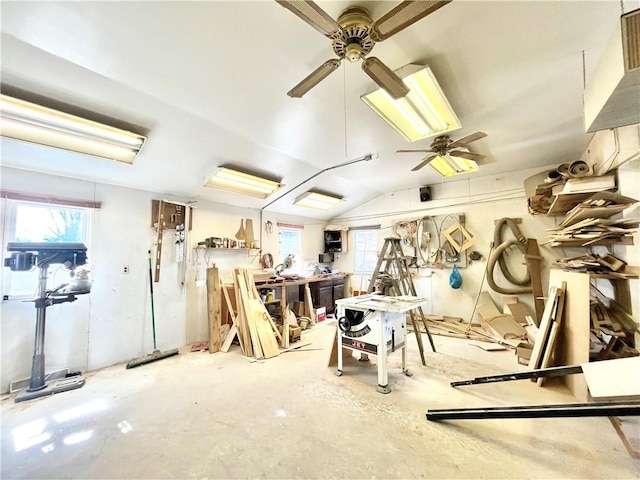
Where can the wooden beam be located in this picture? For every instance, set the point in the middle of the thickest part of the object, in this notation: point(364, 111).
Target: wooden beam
point(213, 306)
point(534, 261)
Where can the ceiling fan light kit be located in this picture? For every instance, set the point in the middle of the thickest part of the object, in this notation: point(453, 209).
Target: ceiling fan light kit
point(354, 35)
point(423, 112)
point(31, 123)
point(450, 157)
point(235, 181)
point(447, 166)
point(317, 200)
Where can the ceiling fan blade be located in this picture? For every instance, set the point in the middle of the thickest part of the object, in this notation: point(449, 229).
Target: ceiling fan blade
point(311, 13)
point(467, 155)
point(403, 15)
point(412, 151)
point(468, 139)
point(319, 74)
point(384, 77)
point(423, 163)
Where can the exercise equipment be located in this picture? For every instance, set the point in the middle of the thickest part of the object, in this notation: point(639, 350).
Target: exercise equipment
point(24, 257)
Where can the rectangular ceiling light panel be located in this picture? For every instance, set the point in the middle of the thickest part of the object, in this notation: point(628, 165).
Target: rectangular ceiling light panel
point(318, 200)
point(424, 112)
point(28, 122)
point(243, 183)
point(448, 166)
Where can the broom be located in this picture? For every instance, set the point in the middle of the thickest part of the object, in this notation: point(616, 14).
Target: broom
point(157, 354)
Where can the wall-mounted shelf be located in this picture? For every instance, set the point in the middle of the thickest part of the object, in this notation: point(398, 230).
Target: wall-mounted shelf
point(335, 241)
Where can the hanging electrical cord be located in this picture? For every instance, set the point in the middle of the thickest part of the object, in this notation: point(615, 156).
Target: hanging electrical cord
point(498, 256)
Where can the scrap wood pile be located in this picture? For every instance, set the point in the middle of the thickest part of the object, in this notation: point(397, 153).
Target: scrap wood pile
point(612, 330)
point(589, 222)
point(253, 325)
point(604, 264)
point(257, 332)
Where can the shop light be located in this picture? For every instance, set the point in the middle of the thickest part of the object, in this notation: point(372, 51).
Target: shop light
point(318, 200)
point(28, 122)
point(243, 183)
point(423, 112)
point(447, 165)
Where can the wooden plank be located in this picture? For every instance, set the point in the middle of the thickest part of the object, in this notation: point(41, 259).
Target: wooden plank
point(548, 351)
point(534, 262)
point(243, 325)
point(545, 327)
point(573, 345)
point(308, 304)
point(553, 334)
point(265, 335)
point(486, 308)
point(248, 316)
point(519, 312)
point(613, 379)
point(213, 308)
point(233, 331)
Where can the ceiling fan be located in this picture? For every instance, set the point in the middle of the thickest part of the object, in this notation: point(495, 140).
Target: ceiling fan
point(353, 36)
point(443, 145)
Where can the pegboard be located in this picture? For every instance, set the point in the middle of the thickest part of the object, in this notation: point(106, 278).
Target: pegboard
point(173, 214)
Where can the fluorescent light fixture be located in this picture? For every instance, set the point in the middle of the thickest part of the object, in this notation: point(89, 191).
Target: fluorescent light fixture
point(28, 122)
point(423, 112)
point(318, 200)
point(447, 165)
point(243, 183)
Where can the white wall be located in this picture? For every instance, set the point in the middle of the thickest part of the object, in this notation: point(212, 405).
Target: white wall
point(113, 323)
point(481, 200)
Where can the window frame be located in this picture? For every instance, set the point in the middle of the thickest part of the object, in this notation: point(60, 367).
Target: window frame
point(359, 269)
point(12, 206)
point(298, 252)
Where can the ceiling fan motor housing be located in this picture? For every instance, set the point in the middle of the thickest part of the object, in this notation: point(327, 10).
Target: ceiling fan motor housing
point(355, 42)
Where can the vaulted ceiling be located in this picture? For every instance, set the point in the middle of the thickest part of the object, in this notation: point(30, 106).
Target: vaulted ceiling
point(207, 82)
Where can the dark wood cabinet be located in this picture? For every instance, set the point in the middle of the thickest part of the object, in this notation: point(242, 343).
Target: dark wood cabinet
point(325, 293)
point(338, 292)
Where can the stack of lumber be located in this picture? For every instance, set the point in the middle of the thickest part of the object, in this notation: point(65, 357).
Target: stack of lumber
point(594, 231)
point(255, 328)
point(589, 222)
point(544, 346)
point(612, 331)
point(606, 264)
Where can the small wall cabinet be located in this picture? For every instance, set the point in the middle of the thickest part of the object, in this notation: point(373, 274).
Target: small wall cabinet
point(335, 241)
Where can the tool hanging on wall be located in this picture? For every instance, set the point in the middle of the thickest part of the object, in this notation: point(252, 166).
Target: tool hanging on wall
point(170, 215)
point(160, 226)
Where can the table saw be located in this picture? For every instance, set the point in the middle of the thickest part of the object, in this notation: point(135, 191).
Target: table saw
point(375, 324)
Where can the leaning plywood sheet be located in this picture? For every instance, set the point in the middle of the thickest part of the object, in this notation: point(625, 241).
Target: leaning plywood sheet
point(263, 328)
point(549, 350)
point(617, 379)
point(519, 312)
point(545, 328)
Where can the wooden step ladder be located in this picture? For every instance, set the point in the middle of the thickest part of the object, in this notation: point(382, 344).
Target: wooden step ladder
point(396, 275)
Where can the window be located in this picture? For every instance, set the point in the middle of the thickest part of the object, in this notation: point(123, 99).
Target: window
point(365, 250)
point(38, 222)
point(291, 244)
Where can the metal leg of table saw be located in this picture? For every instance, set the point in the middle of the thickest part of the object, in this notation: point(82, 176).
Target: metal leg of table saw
point(405, 370)
point(383, 376)
point(339, 347)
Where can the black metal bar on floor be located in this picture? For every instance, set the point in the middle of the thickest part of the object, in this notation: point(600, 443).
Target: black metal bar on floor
point(539, 373)
point(596, 409)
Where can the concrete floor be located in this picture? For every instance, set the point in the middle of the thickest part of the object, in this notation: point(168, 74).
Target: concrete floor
point(221, 416)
